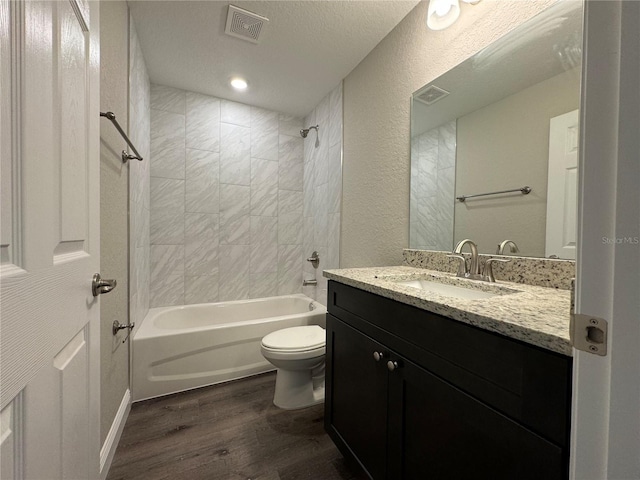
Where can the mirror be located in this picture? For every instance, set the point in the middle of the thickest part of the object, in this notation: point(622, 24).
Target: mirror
point(501, 120)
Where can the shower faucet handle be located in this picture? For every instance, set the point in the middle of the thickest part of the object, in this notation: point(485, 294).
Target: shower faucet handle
point(314, 259)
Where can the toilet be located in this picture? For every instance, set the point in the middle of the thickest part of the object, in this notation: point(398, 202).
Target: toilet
point(298, 354)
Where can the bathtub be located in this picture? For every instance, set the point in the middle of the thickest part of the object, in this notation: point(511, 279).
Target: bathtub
point(185, 347)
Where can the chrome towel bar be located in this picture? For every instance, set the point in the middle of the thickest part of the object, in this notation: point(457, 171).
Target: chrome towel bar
point(125, 155)
point(524, 190)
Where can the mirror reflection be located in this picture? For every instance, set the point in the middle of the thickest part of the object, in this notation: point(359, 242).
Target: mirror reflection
point(504, 119)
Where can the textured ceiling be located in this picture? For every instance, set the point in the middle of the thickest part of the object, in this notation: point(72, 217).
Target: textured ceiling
point(306, 49)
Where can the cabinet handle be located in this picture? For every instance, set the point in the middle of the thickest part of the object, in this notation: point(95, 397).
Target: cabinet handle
point(392, 365)
point(377, 356)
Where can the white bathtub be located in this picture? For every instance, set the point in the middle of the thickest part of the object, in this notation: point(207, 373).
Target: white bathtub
point(179, 348)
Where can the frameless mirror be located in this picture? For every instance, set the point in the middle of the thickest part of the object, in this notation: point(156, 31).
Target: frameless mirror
point(502, 120)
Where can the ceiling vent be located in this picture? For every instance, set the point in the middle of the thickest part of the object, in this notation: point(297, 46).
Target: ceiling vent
point(431, 94)
point(244, 24)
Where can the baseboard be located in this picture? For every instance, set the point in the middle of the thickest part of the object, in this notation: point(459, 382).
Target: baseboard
point(111, 442)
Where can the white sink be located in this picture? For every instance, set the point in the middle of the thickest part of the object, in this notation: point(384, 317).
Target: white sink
point(448, 290)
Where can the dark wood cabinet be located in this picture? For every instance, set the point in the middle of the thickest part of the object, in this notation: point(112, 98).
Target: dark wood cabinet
point(359, 409)
point(442, 414)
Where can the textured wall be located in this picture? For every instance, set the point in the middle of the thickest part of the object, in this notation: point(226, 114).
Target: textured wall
point(114, 198)
point(375, 211)
point(323, 191)
point(226, 200)
point(139, 181)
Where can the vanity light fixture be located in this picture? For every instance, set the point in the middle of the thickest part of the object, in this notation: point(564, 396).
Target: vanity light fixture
point(239, 83)
point(442, 14)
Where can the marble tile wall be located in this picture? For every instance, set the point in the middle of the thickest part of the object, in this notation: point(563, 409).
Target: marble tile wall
point(139, 181)
point(226, 200)
point(433, 168)
point(322, 192)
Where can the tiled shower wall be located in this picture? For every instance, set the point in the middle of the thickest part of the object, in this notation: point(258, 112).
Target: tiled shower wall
point(226, 200)
point(139, 181)
point(433, 173)
point(323, 191)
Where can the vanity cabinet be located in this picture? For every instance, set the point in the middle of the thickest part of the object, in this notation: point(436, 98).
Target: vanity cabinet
point(414, 395)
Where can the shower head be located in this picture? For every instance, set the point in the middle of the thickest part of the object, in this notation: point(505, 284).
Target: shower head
point(305, 131)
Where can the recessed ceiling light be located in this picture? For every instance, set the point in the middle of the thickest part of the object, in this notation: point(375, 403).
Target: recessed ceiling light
point(239, 83)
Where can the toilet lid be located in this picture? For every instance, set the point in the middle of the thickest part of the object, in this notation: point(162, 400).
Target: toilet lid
point(296, 338)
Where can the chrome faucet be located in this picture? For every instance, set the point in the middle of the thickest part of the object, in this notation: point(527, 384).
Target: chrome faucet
point(471, 269)
point(512, 247)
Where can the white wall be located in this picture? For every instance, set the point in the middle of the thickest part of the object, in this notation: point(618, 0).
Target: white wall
point(375, 212)
point(226, 200)
point(114, 233)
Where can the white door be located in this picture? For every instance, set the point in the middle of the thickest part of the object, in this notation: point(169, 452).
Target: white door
point(605, 433)
point(562, 186)
point(49, 127)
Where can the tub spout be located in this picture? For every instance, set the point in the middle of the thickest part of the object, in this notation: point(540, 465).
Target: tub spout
point(306, 283)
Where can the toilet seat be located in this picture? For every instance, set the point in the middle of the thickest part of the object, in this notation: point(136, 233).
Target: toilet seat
point(296, 340)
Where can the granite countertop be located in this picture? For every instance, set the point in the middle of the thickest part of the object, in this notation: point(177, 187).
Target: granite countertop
point(532, 314)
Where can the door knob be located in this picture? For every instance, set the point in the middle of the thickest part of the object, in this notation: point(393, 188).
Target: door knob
point(100, 285)
point(377, 356)
point(391, 365)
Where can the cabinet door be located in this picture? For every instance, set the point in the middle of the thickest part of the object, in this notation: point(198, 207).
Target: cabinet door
point(437, 431)
point(356, 396)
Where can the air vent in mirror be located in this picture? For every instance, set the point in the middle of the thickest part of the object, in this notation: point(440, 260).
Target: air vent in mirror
point(430, 94)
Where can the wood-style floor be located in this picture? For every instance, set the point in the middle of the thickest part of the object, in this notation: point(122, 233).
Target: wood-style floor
point(229, 431)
